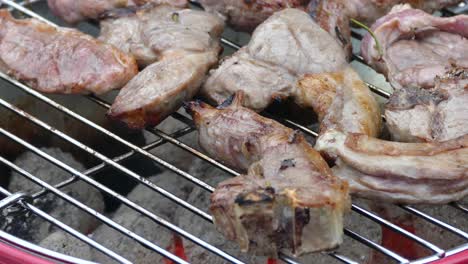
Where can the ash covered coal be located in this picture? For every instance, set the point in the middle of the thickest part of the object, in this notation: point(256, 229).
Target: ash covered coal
point(35, 229)
point(141, 225)
point(64, 243)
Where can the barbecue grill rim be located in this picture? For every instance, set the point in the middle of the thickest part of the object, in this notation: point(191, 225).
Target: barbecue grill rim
point(378, 91)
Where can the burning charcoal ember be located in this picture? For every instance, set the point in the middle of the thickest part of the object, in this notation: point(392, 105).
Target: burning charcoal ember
point(144, 226)
point(35, 229)
point(64, 243)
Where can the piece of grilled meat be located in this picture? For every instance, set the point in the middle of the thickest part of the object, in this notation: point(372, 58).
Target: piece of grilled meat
point(416, 46)
point(291, 56)
point(397, 172)
point(287, 200)
point(185, 44)
point(334, 15)
point(247, 15)
point(430, 115)
point(75, 11)
point(400, 172)
point(60, 60)
point(158, 31)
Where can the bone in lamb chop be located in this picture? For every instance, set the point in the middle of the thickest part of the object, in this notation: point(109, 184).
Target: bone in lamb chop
point(425, 58)
point(181, 44)
point(75, 11)
point(416, 47)
point(287, 200)
point(400, 172)
point(60, 60)
point(435, 172)
point(334, 15)
point(289, 55)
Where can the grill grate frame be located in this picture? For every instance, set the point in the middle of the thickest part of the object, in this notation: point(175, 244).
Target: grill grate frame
point(25, 200)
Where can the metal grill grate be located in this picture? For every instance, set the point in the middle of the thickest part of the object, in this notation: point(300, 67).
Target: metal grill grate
point(26, 200)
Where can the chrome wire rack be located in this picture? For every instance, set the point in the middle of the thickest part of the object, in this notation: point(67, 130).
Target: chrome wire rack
point(26, 200)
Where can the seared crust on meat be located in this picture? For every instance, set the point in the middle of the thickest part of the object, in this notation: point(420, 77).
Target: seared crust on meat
point(288, 199)
point(60, 60)
point(342, 101)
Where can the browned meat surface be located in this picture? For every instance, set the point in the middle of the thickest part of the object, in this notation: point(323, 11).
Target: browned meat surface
point(185, 45)
point(334, 15)
point(286, 46)
point(152, 33)
point(246, 15)
point(160, 89)
point(342, 101)
point(400, 172)
point(291, 56)
point(287, 200)
point(437, 114)
point(60, 60)
point(74, 11)
point(417, 47)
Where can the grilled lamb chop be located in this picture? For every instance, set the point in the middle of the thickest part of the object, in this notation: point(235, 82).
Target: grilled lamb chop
point(247, 15)
point(334, 15)
point(433, 115)
point(75, 11)
point(417, 47)
point(60, 60)
point(291, 56)
point(400, 172)
point(287, 200)
point(185, 44)
point(154, 32)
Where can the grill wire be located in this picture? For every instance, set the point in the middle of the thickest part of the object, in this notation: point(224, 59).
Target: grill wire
point(26, 200)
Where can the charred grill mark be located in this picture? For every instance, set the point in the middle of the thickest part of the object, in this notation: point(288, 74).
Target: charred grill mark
point(248, 146)
point(456, 73)
point(302, 218)
point(227, 102)
point(340, 36)
point(257, 196)
point(287, 163)
point(408, 98)
point(294, 137)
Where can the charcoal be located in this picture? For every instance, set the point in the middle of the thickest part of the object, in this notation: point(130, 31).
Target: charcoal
point(35, 229)
point(144, 226)
point(66, 244)
point(169, 152)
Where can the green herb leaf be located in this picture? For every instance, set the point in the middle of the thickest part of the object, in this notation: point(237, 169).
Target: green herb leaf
point(362, 25)
point(175, 17)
